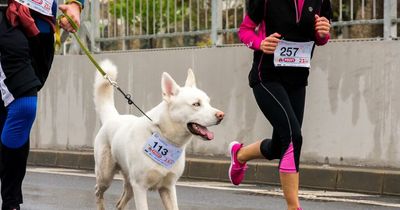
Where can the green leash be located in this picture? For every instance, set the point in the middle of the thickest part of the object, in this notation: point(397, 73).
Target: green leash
point(98, 67)
point(87, 52)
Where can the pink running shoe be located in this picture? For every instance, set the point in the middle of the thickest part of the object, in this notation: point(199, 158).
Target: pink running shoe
point(236, 169)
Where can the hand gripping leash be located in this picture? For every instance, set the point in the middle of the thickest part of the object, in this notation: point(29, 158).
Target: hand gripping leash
point(98, 67)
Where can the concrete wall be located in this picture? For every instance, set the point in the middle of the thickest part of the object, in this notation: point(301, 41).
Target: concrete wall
point(352, 114)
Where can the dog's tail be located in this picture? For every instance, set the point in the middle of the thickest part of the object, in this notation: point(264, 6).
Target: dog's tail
point(104, 92)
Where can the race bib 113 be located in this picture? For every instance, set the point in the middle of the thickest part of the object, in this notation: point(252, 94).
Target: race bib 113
point(161, 151)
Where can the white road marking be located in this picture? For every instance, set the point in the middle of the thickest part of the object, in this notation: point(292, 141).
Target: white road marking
point(316, 195)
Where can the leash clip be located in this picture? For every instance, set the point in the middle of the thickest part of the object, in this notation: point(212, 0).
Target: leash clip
point(108, 78)
point(127, 96)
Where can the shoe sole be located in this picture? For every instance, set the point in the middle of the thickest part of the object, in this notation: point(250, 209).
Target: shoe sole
point(232, 161)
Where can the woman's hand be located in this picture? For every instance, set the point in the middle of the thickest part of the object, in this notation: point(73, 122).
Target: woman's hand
point(74, 11)
point(322, 26)
point(268, 45)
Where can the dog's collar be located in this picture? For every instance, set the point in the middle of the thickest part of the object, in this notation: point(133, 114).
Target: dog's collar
point(157, 130)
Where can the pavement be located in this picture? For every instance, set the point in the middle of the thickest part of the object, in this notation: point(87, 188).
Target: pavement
point(65, 185)
point(323, 177)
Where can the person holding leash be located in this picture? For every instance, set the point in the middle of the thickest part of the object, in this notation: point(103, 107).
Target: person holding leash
point(26, 55)
point(283, 35)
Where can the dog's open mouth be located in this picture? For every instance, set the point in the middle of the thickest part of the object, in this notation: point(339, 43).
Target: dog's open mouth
point(200, 130)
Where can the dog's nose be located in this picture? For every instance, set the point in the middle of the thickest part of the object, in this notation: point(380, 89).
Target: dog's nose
point(220, 115)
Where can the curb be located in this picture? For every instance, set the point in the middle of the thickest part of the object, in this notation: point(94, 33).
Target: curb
point(352, 179)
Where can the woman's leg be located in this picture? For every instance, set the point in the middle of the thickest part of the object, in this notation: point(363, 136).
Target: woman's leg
point(290, 188)
point(276, 102)
point(268, 148)
point(250, 152)
point(291, 181)
point(284, 109)
point(253, 151)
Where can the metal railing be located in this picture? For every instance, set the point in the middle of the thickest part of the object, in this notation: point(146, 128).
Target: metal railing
point(365, 18)
point(137, 24)
point(121, 22)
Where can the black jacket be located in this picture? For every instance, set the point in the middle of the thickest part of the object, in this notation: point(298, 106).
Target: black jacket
point(280, 16)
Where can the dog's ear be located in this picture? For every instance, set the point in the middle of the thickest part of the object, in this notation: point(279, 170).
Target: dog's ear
point(169, 86)
point(190, 80)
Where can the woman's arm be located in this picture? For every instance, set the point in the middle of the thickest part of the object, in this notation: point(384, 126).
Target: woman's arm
point(322, 28)
point(252, 29)
point(247, 33)
point(322, 22)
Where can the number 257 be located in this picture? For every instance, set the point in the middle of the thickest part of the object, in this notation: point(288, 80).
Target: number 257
point(289, 51)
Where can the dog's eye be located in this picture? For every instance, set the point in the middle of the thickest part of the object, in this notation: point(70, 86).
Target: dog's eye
point(196, 104)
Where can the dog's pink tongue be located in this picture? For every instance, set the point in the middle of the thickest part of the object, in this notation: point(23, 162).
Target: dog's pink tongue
point(210, 135)
point(206, 133)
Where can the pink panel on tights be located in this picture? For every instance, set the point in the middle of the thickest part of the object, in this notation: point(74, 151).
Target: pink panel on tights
point(287, 163)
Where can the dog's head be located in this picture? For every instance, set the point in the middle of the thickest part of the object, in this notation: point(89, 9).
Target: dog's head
point(190, 106)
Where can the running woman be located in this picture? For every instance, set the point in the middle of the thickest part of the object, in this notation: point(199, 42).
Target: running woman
point(283, 34)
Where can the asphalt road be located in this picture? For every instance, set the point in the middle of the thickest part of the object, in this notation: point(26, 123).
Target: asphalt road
point(62, 189)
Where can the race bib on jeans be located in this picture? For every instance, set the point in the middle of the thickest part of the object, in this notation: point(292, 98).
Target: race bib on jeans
point(41, 6)
point(293, 54)
point(161, 151)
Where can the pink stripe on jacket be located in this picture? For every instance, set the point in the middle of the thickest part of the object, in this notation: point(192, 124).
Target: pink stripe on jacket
point(252, 34)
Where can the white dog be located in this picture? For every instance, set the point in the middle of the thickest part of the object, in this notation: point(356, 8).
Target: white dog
point(149, 154)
